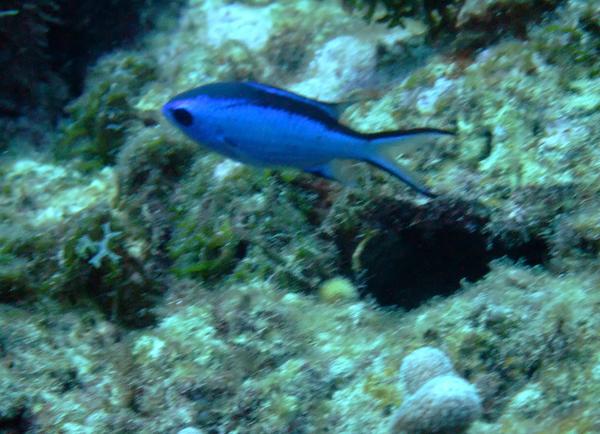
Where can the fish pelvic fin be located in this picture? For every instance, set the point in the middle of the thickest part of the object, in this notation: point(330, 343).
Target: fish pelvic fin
point(385, 147)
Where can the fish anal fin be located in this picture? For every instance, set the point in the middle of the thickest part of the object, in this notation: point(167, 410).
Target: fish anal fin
point(339, 170)
point(405, 175)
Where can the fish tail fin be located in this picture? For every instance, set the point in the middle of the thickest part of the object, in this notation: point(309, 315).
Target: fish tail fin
point(385, 147)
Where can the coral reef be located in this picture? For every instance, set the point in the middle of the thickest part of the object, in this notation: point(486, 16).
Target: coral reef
point(147, 285)
point(467, 24)
point(253, 359)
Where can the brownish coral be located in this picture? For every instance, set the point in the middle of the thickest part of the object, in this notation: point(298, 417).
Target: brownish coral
point(464, 23)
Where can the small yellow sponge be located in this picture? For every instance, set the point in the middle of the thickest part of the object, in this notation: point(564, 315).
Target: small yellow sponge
point(338, 289)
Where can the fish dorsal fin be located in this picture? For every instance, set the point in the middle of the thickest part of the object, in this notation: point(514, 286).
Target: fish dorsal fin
point(336, 109)
point(331, 109)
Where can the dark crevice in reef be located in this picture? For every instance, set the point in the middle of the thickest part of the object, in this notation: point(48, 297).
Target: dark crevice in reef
point(17, 424)
point(46, 46)
point(416, 253)
point(80, 35)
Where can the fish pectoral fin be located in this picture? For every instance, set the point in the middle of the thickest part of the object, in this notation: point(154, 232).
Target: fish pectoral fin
point(337, 170)
point(226, 141)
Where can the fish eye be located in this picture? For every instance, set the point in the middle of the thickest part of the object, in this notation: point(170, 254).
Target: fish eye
point(183, 117)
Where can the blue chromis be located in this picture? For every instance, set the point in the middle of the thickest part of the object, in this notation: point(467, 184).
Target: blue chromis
point(270, 127)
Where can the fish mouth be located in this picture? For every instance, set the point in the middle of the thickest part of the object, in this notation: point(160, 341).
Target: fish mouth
point(167, 110)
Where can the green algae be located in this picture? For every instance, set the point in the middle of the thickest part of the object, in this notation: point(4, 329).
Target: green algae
point(25, 261)
point(226, 224)
point(99, 119)
point(208, 253)
point(114, 279)
point(42, 256)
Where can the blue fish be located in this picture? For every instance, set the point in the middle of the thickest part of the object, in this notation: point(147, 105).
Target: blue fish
point(270, 127)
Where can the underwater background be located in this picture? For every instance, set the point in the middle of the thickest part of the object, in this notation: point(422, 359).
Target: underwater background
point(148, 285)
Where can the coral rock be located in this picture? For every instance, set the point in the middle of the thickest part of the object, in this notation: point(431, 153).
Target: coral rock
point(439, 401)
point(422, 365)
point(445, 404)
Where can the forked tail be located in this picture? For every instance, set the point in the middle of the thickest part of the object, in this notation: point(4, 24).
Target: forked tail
point(385, 147)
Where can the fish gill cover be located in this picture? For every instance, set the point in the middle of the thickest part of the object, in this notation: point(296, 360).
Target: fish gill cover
point(149, 285)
